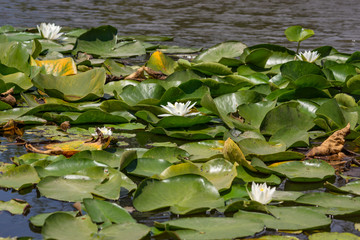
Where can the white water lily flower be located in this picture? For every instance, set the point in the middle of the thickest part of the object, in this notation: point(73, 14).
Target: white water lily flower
point(261, 193)
point(105, 131)
point(49, 30)
point(308, 56)
point(179, 109)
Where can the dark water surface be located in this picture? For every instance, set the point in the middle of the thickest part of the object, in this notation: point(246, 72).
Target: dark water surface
point(201, 23)
point(192, 24)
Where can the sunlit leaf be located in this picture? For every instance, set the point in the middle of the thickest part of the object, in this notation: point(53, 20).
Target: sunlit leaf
point(58, 67)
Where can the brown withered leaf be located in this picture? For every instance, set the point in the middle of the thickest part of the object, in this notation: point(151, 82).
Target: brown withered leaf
point(70, 148)
point(138, 75)
point(332, 145)
point(155, 74)
point(11, 128)
point(8, 98)
point(77, 206)
point(112, 78)
point(65, 126)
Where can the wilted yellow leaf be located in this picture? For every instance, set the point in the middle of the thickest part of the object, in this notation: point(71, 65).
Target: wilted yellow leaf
point(58, 67)
point(233, 153)
point(160, 62)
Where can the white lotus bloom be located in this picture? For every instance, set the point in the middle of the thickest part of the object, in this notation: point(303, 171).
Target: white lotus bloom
point(261, 193)
point(49, 30)
point(179, 109)
point(308, 56)
point(105, 131)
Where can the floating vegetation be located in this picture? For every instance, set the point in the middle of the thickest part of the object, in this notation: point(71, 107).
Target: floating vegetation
point(179, 131)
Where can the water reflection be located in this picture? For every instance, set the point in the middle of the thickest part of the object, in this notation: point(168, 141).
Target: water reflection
point(200, 23)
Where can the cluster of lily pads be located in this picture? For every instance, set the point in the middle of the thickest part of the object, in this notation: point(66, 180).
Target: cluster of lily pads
point(232, 116)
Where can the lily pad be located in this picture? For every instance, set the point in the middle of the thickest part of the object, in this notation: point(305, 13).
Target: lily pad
point(304, 171)
point(283, 218)
point(147, 167)
point(204, 150)
point(84, 184)
point(219, 172)
point(132, 231)
point(160, 62)
point(19, 177)
point(79, 87)
point(213, 228)
point(298, 33)
point(228, 49)
point(351, 187)
point(183, 194)
point(14, 206)
point(331, 203)
point(39, 220)
point(106, 212)
point(333, 236)
point(286, 115)
point(64, 226)
point(170, 154)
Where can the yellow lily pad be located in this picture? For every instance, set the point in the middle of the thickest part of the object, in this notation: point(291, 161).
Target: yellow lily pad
point(58, 67)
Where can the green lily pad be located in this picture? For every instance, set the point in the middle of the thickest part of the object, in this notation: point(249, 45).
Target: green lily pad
point(101, 156)
point(353, 85)
point(101, 41)
point(19, 80)
point(147, 167)
point(67, 166)
point(19, 177)
point(332, 204)
point(283, 218)
point(79, 87)
point(132, 231)
point(219, 172)
point(298, 33)
point(39, 220)
point(212, 68)
point(180, 121)
point(212, 228)
point(304, 171)
point(279, 156)
point(351, 187)
point(331, 111)
point(260, 146)
point(15, 55)
point(291, 137)
point(104, 182)
point(106, 212)
point(64, 226)
point(295, 69)
point(286, 115)
point(14, 206)
point(197, 132)
point(254, 113)
point(228, 49)
point(204, 150)
point(183, 194)
point(250, 176)
point(143, 93)
point(170, 154)
point(333, 236)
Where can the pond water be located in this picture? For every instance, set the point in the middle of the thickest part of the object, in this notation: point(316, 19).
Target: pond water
point(200, 23)
point(192, 24)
